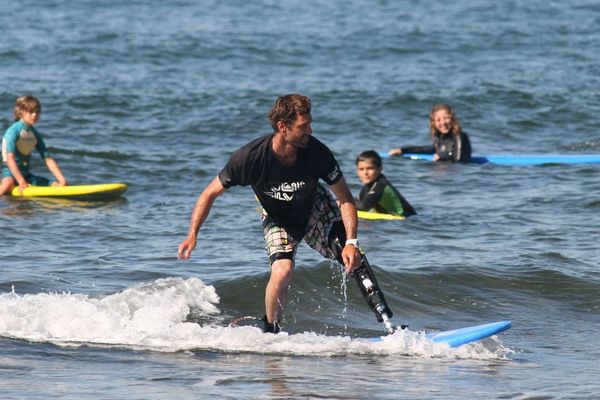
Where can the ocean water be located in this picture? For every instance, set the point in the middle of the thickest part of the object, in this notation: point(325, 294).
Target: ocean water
point(157, 94)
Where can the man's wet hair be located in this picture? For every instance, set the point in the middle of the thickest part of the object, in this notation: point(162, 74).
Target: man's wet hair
point(287, 109)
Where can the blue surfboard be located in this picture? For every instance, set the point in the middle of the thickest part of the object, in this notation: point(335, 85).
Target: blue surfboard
point(458, 337)
point(530, 159)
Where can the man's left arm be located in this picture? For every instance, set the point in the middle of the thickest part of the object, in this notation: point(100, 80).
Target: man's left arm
point(350, 253)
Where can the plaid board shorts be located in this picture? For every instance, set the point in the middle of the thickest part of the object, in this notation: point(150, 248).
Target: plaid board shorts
point(325, 212)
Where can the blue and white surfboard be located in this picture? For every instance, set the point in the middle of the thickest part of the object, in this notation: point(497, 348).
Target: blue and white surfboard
point(458, 337)
point(525, 159)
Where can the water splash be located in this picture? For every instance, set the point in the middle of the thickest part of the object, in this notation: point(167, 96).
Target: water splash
point(152, 316)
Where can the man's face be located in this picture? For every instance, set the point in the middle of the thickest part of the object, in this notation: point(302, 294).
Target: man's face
point(299, 132)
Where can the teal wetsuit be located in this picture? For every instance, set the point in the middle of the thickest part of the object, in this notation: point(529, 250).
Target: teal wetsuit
point(21, 139)
point(382, 197)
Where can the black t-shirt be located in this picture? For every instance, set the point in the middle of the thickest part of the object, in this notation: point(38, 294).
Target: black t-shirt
point(287, 193)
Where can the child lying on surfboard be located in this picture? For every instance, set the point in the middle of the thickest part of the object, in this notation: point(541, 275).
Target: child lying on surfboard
point(450, 142)
point(19, 141)
point(378, 194)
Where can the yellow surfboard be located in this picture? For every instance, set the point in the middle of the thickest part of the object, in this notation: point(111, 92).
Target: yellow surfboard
point(378, 216)
point(75, 192)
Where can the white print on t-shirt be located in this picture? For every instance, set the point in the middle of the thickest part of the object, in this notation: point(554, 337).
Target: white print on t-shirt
point(282, 191)
point(334, 174)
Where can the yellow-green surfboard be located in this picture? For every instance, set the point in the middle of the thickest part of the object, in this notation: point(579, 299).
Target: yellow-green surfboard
point(377, 216)
point(76, 192)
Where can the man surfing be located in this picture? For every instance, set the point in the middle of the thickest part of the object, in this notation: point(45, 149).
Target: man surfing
point(284, 169)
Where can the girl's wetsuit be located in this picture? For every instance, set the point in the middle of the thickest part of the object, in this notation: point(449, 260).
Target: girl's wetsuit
point(383, 198)
point(449, 147)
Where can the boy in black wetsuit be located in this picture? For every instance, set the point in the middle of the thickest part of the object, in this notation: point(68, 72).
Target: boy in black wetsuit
point(378, 194)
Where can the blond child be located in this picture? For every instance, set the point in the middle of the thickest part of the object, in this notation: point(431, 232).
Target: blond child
point(19, 141)
point(450, 142)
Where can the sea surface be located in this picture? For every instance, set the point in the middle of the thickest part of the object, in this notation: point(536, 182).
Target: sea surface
point(158, 94)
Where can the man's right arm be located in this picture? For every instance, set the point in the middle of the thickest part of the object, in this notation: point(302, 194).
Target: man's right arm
point(201, 210)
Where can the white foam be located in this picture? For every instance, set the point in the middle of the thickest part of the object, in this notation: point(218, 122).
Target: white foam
point(152, 316)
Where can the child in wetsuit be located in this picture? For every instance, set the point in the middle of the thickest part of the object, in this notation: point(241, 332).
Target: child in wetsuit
point(378, 194)
point(19, 141)
point(450, 142)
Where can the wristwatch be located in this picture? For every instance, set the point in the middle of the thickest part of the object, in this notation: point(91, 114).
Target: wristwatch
point(353, 242)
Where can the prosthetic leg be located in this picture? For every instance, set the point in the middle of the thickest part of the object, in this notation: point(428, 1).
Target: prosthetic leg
point(367, 283)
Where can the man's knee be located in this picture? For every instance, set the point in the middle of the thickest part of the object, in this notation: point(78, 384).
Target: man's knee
point(281, 271)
